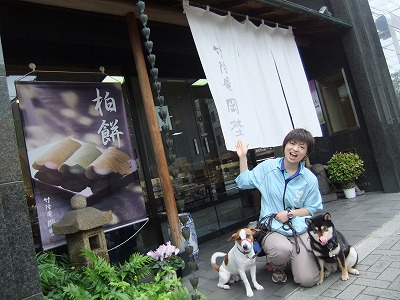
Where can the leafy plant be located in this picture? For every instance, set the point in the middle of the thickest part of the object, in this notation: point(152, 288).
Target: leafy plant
point(55, 271)
point(344, 168)
point(136, 267)
point(166, 259)
point(103, 281)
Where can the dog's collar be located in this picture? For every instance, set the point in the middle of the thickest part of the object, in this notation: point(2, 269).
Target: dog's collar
point(245, 253)
point(331, 245)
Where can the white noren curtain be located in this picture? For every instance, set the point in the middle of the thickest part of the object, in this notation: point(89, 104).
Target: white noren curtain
point(256, 78)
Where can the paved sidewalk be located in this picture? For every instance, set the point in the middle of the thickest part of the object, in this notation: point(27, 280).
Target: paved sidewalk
point(379, 270)
point(371, 222)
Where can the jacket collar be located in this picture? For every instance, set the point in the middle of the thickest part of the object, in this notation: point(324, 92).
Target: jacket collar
point(281, 167)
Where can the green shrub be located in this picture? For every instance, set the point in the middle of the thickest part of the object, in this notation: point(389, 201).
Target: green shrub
point(344, 168)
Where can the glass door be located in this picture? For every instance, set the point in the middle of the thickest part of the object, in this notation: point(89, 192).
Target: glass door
point(222, 166)
point(206, 169)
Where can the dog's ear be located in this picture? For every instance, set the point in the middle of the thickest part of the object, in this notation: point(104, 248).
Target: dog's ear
point(327, 217)
point(233, 236)
point(308, 221)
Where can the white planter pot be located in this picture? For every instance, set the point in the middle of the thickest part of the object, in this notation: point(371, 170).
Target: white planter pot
point(350, 193)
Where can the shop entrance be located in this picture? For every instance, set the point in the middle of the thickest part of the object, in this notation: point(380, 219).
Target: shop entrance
point(206, 169)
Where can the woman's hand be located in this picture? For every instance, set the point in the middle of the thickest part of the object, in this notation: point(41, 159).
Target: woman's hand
point(241, 148)
point(282, 216)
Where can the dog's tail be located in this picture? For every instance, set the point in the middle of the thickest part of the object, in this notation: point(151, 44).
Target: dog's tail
point(214, 259)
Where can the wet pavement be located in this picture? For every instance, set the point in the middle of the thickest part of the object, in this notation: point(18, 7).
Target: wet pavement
point(370, 222)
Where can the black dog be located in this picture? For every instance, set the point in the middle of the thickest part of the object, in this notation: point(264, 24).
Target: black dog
point(331, 250)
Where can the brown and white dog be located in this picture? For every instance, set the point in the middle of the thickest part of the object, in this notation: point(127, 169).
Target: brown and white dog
point(240, 259)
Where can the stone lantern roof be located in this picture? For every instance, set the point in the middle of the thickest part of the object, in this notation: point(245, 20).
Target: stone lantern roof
point(81, 218)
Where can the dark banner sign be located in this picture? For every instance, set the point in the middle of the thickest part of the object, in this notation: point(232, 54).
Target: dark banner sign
point(78, 142)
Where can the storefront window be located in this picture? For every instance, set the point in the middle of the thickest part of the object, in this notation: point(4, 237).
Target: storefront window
point(337, 102)
point(207, 170)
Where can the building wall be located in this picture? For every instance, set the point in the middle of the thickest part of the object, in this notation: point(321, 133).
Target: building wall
point(323, 56)
point(18, 269)
point(374, 87)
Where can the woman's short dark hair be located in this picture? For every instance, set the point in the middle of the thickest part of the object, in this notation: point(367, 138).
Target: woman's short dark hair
point(300, 135)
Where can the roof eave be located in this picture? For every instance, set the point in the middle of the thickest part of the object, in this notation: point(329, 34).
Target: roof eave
point(307, 11)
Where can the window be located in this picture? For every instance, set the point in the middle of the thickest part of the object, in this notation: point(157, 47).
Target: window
point(337, 102)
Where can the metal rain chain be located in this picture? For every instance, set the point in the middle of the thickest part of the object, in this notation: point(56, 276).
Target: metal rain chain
point(163, 113)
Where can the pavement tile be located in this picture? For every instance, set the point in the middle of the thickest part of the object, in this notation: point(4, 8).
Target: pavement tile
point(361, 267)
point(351, 292)
point(379, 266)
point(372, 282)
point(395, 264)
point(342, 285)
point(330, 293)
point(302, 296)
point(367, 274)
point(371, 259)
point(286, 289)
point(390, 274)
point(396, 247)
point(387, 294)
point(388, 254)
point(370, 222)
point(395, 285)
point(365, 297)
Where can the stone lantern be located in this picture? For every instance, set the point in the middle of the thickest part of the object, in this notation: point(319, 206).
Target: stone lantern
point(83, 228)
point(323, 182)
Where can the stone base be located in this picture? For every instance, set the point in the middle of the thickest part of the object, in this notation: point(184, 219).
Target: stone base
point(93, 239)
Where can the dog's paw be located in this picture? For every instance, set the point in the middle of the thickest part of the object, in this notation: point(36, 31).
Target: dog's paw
point(249, 293)
point(327, 273)
point(223, 286)
point(235, 278)
point(354, 271)
point(320, 282)
point(344, 278)
point(258, 287)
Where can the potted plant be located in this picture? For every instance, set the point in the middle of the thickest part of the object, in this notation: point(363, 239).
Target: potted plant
point(344, 168)
point(166, 260)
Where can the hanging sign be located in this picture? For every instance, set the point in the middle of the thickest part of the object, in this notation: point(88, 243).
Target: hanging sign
point(256, 78)
point(78, 142)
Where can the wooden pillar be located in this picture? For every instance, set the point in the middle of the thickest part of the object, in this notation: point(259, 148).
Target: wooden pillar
point(155, 136)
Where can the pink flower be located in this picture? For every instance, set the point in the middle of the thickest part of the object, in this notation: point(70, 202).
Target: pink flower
point(165, 258)
point(163, 252)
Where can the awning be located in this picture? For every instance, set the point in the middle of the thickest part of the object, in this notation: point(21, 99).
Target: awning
point(305, 21)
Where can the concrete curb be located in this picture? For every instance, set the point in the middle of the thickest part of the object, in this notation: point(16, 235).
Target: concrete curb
point(376, 238)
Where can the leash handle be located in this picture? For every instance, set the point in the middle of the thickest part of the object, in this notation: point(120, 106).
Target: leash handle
point(297, 237)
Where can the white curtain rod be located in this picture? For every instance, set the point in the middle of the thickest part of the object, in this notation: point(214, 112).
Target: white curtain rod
point(208, 8)
point(32, 66)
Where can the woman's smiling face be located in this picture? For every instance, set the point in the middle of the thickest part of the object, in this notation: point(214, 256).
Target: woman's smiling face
point(295, 151)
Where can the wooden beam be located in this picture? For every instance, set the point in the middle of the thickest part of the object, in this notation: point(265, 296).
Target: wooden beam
point(155, 136)
point(154, 12)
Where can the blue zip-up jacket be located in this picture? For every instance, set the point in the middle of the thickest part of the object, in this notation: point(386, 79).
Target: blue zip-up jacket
point(277, 194)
